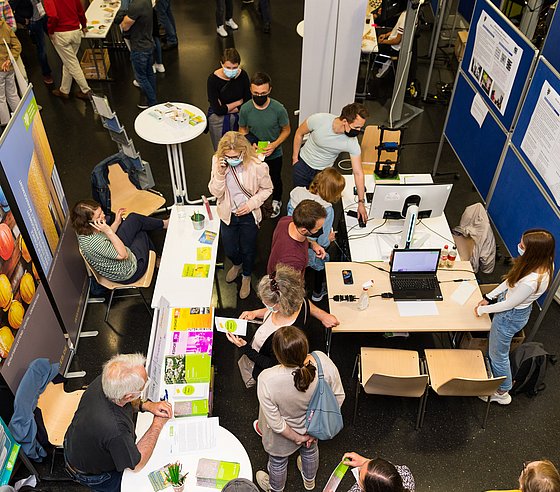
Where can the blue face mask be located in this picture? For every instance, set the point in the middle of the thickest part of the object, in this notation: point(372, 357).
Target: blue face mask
point(270, 308)
point(520, 250)
point(234, 161)
point(230, 73)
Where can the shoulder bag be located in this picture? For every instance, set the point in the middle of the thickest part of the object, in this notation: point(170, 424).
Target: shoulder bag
point(266, 207)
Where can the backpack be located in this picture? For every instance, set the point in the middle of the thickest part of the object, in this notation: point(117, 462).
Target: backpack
point(528, 368)
point(324, 419)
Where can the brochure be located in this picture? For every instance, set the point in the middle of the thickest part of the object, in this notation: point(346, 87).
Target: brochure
point(196, 317)
point(207, 237)
point(214, 473)
point(196, 270)
point(193, 341)
point(231, 325)
point(203, 253)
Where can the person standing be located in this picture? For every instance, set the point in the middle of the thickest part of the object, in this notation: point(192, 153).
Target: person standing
point(8, 90)
point(138, 24)
point(264, 119)
point(166, 19)
point(512, 300)
point(228, 88)
point(241, 184)
point(224, 17)
point(64, 20)
point(284, 392)
point(329, 135)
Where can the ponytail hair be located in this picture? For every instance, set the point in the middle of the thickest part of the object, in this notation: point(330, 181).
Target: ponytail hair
point(291, 348)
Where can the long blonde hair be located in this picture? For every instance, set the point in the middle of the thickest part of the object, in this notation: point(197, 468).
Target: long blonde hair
point(237, 142)
point(540, 476)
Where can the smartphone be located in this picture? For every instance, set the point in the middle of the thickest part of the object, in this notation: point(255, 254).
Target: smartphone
point(347, 277)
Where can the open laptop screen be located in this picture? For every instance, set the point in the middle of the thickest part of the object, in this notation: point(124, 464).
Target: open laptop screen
point(415, 260)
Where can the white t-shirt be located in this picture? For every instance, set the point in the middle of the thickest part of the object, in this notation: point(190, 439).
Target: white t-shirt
point(398, 29)
point(520, 296)
point(324, 145)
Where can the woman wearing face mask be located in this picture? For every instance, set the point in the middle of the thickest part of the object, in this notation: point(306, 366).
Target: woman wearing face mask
point(228, 88)
point(512, 300)
point(241, 183)
point(283, 294)
point(379, 475)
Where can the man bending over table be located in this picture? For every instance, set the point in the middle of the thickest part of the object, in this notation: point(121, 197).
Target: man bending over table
point(101, 442)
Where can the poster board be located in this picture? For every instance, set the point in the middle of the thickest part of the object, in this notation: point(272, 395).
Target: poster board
point(552, 41)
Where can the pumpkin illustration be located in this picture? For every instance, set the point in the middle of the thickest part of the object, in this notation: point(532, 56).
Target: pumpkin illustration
point(27, 288)
point(6, 294)
point(15, 314)
point(24, 250)
point(6, 341)
point(6, 242)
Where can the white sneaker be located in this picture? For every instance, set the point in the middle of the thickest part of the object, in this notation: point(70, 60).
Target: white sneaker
point(501, 399)
point(276, 206)
point(154, 68)
point(158, 67)
point(222, 31)
point(135, 83)
point(307, 484)
point(383, 70)
point(263, 480)
point(231, 24)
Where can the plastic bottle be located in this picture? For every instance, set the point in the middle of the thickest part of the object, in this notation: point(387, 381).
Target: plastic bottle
point(363, 302)
point(451, 257)
point(443, 257)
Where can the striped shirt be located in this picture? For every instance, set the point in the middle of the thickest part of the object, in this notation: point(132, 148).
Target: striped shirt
point(104, 259)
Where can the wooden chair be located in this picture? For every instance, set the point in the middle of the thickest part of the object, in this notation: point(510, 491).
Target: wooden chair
point(58, 409)
point(457, 372)
point(391, 372)
point(371, 140)
point(141, 283)
point(125, 195)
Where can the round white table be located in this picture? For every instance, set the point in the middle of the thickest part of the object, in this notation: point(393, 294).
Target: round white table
point(228, 448)
point(171, 133)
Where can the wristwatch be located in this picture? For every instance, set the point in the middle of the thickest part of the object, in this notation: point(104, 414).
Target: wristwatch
point(361, 200)
point(141, 408)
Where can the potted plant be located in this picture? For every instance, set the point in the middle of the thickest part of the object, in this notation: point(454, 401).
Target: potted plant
point(174, 477)
point(198, 220)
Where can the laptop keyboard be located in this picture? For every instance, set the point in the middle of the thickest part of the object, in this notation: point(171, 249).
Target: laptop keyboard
point(414, 283)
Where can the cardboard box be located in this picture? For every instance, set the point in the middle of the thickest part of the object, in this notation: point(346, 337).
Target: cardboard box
point(477, 340)
point(93, 57)
point(460, 44)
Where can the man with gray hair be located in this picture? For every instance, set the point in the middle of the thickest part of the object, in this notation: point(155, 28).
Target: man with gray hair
point(100, 442)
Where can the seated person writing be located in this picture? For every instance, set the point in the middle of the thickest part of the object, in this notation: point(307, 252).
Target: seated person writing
point(377, 474)
point(120, 251)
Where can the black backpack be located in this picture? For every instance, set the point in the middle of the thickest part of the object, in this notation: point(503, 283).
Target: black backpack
point(528, 368)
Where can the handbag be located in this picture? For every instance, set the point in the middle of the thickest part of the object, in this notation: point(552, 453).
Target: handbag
point(266, 207)
point(246, 366)
point(323, 418)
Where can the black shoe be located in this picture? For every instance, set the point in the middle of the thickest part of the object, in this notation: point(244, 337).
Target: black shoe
point(266, 27)
point(143, 105)
point(168, 47)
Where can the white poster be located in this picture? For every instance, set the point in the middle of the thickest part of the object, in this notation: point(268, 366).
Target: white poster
point(541, 143)
point(495, 61)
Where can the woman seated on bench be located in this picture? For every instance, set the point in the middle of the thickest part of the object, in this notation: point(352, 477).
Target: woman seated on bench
point(120, 251)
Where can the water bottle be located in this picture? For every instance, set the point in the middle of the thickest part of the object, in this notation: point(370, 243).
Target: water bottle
point(363, 302)
point(444, 256)
point(451, 257)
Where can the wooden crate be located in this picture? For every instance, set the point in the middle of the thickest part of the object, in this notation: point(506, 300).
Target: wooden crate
point(460, 44)
point(93, 57)
point(475, 340)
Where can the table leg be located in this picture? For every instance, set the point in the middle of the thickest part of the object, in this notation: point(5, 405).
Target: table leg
point(328, 341)
point(170, 160)
point(178, 176)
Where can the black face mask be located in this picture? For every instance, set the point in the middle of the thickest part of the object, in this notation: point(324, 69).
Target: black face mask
point(260, 100)
point(352, 133)
point(314, 235)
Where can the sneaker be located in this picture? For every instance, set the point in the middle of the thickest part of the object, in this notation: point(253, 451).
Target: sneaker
point(276, 206)
point(142, 106)
point(233, 273)
point(222, 31)
point(86, 96)
point(135, 83)
point(263, 480)
point(256, 427)
point(245, 287)
point(307, 484)
point(232, 25)
point(47, 79)
point(154, 68)
point(59, 93)
point(501, 399)
point(248, 1)
point(158, 67)
point(318, 296)
point(383, 70)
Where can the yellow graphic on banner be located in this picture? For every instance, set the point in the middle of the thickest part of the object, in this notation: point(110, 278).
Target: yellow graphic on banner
point(189, 318)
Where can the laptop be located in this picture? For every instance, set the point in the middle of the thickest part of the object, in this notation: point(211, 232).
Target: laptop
point(414, 275)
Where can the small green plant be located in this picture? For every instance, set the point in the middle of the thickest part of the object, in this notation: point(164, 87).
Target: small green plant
point(173, 474)
point(197, 216)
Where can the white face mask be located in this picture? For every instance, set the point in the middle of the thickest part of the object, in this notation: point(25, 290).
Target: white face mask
point(520, 250)
point(356, 473)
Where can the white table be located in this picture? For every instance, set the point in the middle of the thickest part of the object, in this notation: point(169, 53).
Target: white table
point(180, 246)
point(378, 247)
point(171, 134)
point(228, 448)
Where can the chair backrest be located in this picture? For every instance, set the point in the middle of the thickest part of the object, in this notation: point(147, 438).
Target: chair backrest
point(470, 387)
point(465, 246)
point(90, 270)
point(125, 195)
point(409, 386)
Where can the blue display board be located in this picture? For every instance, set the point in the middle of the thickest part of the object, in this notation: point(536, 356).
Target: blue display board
point(544, 76)
point(478, 148)
point(550, 48)
point(517, 204)
point(494, 59)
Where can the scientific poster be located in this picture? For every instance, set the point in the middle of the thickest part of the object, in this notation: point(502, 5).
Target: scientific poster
point(541, 142)
point(495, 61)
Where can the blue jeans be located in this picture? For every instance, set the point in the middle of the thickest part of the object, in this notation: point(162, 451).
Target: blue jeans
point(303, 174)
point(158, 56)
point(166, 19)
point(37, 31)
point(504, 326)
point(265, 10)
point(142, 62)
point(240, 241)
point(224, 11)
point(278, 467)
point(104, 482)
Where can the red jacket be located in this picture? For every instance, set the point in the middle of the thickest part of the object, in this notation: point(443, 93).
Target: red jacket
point(64, 15)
